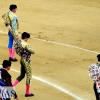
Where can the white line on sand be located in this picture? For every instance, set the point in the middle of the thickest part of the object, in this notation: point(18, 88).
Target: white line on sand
point(53, 85)
point(62, 44)
point(3, 32)
point(67, 45)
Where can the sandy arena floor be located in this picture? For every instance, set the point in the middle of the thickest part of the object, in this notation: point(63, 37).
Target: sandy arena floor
point(73, 22)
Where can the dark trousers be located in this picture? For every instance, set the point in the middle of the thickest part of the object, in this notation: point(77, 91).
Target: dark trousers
point(96, 93)
point(22, 73)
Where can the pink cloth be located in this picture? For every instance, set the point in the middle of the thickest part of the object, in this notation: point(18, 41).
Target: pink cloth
point(10, 52)
point(27, 89)
point(15, 83)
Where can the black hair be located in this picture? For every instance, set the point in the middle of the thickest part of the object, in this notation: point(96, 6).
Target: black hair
point(98, 56)
point(25, 35)
point(13, 6)
point(6, 63)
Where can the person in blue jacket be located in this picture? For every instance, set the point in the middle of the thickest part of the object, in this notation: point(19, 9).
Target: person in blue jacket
point(11, 22)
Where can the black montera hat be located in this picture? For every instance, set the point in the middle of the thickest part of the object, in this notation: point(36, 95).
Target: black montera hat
point(98, 56)
point(6, 63)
